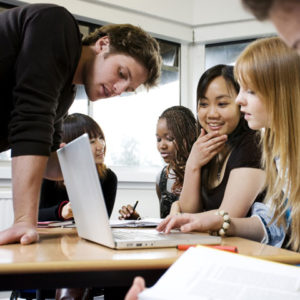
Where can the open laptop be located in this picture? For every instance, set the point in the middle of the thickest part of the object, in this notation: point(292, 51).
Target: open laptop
point(89, 210)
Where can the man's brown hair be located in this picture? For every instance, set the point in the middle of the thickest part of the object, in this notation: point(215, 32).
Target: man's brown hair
point(133, 41)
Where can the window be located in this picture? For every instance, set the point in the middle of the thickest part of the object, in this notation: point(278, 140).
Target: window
point(5, 155)
point(224, 53)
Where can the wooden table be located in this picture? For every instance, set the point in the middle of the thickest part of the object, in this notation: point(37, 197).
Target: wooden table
point(61, 258)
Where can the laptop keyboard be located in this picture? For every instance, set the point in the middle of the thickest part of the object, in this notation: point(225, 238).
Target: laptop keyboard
point(137, 235)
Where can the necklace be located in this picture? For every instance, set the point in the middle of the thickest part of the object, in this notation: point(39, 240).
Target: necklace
point(219, 167)
point(221, 161)
point(219, 171)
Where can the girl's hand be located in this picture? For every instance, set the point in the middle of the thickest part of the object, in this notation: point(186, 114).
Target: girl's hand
point(201, 222)
point(127, 213)
point(205, 148)
point(66, 211)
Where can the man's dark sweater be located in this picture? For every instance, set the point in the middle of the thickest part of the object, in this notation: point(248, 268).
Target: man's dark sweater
point(39, 53)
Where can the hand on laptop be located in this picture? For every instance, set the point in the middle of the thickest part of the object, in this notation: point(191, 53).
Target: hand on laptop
point(201, 222)
point(128, 213)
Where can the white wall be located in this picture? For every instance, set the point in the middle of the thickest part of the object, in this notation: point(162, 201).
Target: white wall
point(192, 23)
point(6, 209)
point(175, 20)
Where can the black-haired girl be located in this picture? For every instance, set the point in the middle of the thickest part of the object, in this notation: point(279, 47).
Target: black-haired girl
point(54, 202)
point(176, 131)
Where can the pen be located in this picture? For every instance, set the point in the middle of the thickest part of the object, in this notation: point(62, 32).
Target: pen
point(225, 248)
point(135, 205)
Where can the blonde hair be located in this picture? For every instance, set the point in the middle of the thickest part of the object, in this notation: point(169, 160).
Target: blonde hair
point(272, 71)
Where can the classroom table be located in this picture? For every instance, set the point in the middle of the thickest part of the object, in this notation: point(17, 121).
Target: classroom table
point(61, 259)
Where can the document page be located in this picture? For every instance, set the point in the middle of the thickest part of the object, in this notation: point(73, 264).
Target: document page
point(205, 273)
point(54, 224)
point(146, 222)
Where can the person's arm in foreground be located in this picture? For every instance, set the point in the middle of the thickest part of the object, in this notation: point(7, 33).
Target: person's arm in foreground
point(137, 287)
point(27, 174)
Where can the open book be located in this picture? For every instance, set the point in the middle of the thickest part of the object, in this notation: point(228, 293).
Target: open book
point(147, 222)
point(203, 273)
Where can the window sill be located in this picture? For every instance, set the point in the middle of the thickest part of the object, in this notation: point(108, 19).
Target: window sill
point(136, 174)
point(5, 169)
point(128, 177)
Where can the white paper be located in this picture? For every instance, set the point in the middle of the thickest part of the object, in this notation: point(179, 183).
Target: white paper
point(146, 222)
point(54, 224)
point(205, 273)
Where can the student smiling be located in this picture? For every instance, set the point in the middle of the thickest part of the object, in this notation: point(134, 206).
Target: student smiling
point(223, 169)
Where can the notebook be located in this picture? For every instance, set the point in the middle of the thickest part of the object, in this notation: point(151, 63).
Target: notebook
point(89, 210)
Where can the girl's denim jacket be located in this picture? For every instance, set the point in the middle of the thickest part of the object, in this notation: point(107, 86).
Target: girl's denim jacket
point(274, 235)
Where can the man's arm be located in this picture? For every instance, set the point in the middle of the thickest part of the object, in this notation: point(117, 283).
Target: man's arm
point(27, 174)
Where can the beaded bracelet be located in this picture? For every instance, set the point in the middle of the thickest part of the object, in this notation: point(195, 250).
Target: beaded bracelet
point(226, 223)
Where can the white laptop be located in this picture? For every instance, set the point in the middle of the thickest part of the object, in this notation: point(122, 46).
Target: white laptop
point(89, 210)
